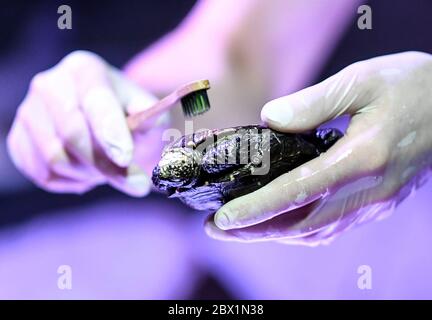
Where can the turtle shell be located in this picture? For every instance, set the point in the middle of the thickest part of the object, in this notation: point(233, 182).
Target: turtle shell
point(209, 168)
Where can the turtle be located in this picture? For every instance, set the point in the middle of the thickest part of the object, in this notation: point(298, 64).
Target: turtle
point(208, 168)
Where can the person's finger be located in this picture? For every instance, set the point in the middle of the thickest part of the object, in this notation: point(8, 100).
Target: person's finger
point(107, 122)
point(23, 154)
point(343, 93)
point(307, 241)
point(133, 98)
point(104, 112)
point(345, 161)
point(30, 161)
point(131, 180)
point(315, 223)
point(319, 222)
point(41, 129)
point(136, 100)
point(60, 184)
point(102, 109)
point(271, 229)
point(60, 97)
point(357, 202)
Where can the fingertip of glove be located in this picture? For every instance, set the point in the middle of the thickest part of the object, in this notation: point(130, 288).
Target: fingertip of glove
point(137, 184)
point(277, 113)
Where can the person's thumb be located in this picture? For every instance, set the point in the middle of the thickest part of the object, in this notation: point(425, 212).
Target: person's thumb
point(315, 105)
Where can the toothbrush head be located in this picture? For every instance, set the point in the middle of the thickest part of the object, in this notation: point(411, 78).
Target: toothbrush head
point(196, 102)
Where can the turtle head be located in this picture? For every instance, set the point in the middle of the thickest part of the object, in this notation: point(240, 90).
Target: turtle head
point(178, 167)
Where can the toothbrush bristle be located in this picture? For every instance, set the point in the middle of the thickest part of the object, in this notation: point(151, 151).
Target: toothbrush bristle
point(195, 103)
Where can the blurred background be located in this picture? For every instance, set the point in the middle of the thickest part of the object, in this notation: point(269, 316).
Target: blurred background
point(153, 248)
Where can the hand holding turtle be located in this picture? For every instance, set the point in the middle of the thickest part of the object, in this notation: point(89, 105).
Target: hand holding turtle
point(384, 155)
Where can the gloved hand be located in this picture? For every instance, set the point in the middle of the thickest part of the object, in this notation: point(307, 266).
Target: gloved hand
point(70, 132)
point(385, 154)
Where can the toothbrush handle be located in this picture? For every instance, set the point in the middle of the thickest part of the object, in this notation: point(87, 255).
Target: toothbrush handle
point(143, 120)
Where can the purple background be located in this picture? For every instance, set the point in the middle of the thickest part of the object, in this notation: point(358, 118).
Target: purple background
point(153, 248)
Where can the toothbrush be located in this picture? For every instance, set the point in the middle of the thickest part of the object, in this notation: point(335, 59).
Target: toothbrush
point(192, 96)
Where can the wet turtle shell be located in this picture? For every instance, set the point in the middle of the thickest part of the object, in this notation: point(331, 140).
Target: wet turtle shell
point(209, 168)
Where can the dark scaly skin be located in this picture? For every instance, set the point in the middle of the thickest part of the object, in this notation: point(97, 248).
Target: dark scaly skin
point(205, 184)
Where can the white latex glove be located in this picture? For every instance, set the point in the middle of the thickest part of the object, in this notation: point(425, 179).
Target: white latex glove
point(384, 155)
point(70, 132)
